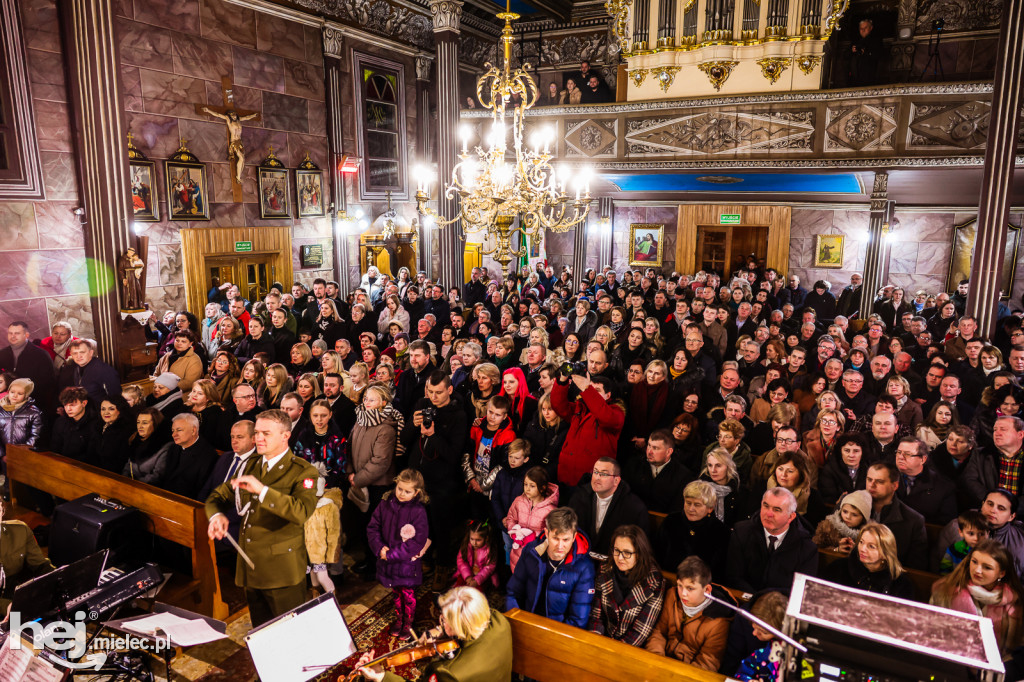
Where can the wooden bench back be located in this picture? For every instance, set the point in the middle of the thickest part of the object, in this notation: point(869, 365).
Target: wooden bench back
point(168, 515)
point(552, 652)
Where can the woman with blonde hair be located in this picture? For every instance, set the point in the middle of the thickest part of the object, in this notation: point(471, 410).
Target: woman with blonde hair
point(873, 564)
point(791, 473)
point(908, 412)
point(21, 420)
point(205, 403)
point(308, 388)
point(276, 384)
point(228, 336)
point(301, 361)
point(486, 382)
point(721, 473)
point(484, 636)
point(330, 362)
point(819, 441)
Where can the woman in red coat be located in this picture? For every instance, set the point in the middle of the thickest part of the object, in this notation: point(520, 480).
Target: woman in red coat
point(595, 422)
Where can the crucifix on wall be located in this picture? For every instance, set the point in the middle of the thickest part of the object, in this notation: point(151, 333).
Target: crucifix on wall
point(232, 117)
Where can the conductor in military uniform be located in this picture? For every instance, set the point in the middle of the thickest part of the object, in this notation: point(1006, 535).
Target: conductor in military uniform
point(274, 497)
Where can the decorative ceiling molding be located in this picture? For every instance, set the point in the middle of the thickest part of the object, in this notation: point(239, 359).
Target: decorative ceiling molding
point(808, 96)
point(855, 164)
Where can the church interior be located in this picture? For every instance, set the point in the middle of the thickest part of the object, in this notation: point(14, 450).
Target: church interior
point(155, 156)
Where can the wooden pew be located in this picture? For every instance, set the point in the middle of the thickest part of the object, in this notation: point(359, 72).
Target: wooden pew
point(169, 516)
point(553, 652)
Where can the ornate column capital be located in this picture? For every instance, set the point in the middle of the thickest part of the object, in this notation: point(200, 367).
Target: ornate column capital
point(423, 65)
point(880, 191)
point(333, 41)
point(446, 14)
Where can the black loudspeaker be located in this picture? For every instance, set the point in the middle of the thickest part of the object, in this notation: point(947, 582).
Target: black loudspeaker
point(91, 523)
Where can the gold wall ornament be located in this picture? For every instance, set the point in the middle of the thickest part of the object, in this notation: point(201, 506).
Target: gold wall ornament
point(618, 10)
point(808, 62)
point(638, 76)
point(838, 9)
point(718, 72)
point(772, 67)
point(665, 75)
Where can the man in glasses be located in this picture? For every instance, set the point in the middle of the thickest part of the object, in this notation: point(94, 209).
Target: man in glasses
point(786, 440)
point(922, 488)
point(603, 502)
point(856, 401)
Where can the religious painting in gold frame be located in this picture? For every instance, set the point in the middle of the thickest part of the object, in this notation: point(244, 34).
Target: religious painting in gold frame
point(828, 250)
point(646, 244)
point(274, 188)
point(965, 235)
point(145, 207)
point(186, 191)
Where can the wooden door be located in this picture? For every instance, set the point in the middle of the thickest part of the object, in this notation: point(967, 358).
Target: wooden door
point(713, 248)
point(258, 272)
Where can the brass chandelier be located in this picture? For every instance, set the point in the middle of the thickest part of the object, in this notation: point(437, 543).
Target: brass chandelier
point(494, 189)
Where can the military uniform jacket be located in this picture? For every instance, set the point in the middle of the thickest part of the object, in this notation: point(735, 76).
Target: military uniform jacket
point(271, 532)
point(486, 659)
point(20, 557)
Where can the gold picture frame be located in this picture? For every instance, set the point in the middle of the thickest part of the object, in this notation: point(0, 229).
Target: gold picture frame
point(828, 250)
point(965, 236)
point(646, 244)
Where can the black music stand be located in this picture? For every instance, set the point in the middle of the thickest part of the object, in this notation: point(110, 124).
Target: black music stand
point(51, 594)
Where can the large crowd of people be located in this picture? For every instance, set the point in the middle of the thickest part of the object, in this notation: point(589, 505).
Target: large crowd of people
point(515, 435)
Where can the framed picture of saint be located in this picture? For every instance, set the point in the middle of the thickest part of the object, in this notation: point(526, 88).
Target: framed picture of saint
point(309, 189)
point(145, 207)
point(828, 250)
point(647, 244)
point(965, 235)
point(186, 186)
point(274, 193)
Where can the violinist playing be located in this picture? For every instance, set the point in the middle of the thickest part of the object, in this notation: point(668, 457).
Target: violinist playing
point(484, 636)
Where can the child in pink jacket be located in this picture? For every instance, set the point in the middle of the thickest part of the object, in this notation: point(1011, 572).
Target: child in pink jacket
point(526, 516)
point(478, 557)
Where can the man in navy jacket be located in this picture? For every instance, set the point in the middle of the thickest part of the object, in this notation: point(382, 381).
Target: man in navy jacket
point(554, 577)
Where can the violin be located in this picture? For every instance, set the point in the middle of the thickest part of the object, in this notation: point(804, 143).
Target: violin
point(411, 653)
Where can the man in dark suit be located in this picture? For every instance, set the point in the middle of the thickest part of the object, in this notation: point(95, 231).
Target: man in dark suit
point(766, 551)
point(278, 492)
point(603, 502)
point(922, 488)
point(190, 460)
point(231, 465)
point(28, 361)
point(906, 524)
point(659, 479)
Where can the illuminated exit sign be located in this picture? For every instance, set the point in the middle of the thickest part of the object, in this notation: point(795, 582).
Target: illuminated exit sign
point(729, 219)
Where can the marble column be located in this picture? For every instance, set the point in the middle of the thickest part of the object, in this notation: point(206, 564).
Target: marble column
point(579, 250)
point(876, 256)
point(451, 241)
point(101, 157)
point(605, 225)
point(997, 180)
point(332, 46)
point(424, 67)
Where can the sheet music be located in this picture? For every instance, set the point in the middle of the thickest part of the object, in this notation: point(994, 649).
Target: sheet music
point(182, 631)
point(14, 662)
point(315, 639)
point(41, 671)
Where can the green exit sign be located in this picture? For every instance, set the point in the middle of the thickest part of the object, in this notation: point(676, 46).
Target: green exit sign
point(243, 246)
point(729, 219)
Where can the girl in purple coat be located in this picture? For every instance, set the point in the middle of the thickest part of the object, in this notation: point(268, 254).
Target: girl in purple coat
point(398, 535)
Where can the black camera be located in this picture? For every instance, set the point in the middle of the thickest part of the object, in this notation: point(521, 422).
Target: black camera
point(429, 414)
point(578, 368)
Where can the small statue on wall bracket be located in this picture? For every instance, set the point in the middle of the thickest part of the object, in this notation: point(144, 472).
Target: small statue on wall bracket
point(130, 268)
